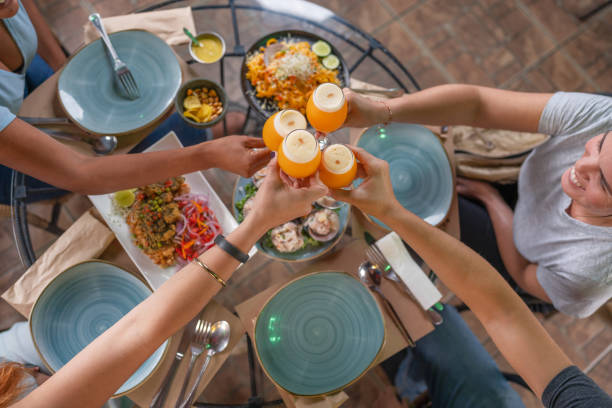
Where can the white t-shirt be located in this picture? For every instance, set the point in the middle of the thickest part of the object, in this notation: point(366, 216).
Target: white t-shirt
point(574, 259)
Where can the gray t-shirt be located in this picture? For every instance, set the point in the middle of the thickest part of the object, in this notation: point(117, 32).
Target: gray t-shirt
point(574, 258)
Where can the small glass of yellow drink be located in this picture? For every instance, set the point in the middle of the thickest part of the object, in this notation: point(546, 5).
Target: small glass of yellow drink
point(338, 166)
point(280, 125)
point(299, 155)
point(326, 108)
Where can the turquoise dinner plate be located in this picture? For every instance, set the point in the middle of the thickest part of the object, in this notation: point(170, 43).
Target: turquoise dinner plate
point(87, 89)
point(319, 333)
point(305, 254)
point(79, 305)
point(421, 175)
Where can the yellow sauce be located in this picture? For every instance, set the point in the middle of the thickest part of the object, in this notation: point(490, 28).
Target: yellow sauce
point(211, 48)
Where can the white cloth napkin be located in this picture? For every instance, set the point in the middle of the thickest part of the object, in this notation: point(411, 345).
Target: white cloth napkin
point(410, 273)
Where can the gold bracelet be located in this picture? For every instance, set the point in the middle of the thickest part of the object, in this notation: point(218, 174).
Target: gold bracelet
point(207, 269)
point(390, 118)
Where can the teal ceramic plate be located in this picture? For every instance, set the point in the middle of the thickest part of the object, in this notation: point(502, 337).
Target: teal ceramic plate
point(88, 93)
point(319, 333)
point(420, 171)
point(305, 254)
point(81, 303)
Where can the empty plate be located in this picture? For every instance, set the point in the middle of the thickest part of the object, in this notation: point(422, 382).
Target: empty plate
point(87, 89)
point(79, 305)
point(319, 333)
point(421, 174)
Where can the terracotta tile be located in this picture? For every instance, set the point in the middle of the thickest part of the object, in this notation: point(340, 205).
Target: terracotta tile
point(604, 80)
point(71, 23)
point(491, 24)
point(437, 37)
point(430, 77)
point(580, 8)
point(465, 69)
point(542, 83)
point(590, 45)
point(582, 331)
point(513, 23)
point(601, 374)
point(586, 88)
point(497, 60)
point(490, 3)
point(598, 344)
point(448, 49)
point(555, 19)
point(602, 62)
point(337, 6)
point(473, 35)
point(529, 46)
point(401, 5)
point(506, 73)
point(366, 14)
point(561, 319)
point(428, 16)
point(396, 40)
point(561, 73)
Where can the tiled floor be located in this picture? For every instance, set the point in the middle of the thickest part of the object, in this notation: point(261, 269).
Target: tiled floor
point(529, 45)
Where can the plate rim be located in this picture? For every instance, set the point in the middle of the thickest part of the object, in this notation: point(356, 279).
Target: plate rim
point(357, 378)
point(452, 171)
point(127, 132)
point(276, 258)
point(243, 80)
point(138, 276)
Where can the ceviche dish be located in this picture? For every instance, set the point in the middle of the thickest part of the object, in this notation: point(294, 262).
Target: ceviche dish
point(168, 223)
point(320, 226)
point(285, 72)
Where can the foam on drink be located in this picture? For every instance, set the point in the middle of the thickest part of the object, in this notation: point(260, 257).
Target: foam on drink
point(338, 159)
point(289, 120)
point(328, 97)
point(300, 146)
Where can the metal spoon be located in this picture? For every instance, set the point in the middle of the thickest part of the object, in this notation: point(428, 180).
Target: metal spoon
point(217, 342)
point(376, 274)
point(102, 145)
point(365, 277)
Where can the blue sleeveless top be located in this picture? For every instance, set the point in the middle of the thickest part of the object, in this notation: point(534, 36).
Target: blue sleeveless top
point(12, 84)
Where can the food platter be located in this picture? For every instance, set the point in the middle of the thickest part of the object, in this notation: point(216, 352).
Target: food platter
point(154, 274)
point(263, 106)
point(310, 250)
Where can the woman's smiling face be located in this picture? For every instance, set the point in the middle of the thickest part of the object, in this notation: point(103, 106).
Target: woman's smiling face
point(589, 181)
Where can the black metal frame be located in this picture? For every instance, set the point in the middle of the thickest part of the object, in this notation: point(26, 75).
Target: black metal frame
point(19, 191)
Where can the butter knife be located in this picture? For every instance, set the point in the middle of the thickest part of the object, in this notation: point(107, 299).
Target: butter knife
point(160, 398)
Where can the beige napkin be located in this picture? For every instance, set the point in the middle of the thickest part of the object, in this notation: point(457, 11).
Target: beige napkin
point(166, 24)
point(87, 238)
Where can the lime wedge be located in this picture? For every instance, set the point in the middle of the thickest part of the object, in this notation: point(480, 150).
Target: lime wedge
point(331, 62)
point(321, 48)
point(125, 198)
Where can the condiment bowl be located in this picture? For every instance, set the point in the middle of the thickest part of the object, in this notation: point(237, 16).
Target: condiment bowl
point(208, 34)
point(200, 83)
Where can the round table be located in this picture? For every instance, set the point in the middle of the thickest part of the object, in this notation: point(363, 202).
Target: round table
point(241, 24)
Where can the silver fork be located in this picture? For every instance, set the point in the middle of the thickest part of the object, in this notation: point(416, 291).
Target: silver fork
point(122, 72)
point(375, 256)
point(198, 344)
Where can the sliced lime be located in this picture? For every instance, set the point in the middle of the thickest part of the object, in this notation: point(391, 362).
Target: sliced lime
point(125, 198)
point(321, 48)
point(331, 62)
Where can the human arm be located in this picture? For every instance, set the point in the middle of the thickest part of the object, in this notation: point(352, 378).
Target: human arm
point(99, 370)
point(454, 104)
point(48, 46)
point(32, 152)
point(522, 271)
point(513, 328)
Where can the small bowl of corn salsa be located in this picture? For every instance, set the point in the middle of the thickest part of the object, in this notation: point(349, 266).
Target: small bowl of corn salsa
point(211, 48)
point(201, 102)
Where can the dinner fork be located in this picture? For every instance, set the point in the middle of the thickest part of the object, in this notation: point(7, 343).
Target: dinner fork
point(374, 255)
point(198, 344)
point(122, 72)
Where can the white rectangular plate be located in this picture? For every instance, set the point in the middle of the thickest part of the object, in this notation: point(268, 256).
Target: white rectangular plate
point(153, 273)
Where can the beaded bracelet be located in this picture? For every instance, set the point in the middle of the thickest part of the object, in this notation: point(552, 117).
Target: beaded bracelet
point(390, 118)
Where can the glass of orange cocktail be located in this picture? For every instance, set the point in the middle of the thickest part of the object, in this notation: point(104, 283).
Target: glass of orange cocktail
point(299, 155)
point(338, 166)
point(326, 108)
point(280, 125)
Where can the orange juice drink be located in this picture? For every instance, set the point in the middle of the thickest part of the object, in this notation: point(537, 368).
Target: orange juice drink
point(299, 155)
point(338, 166)
point(326, 108)
point(280, 125)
